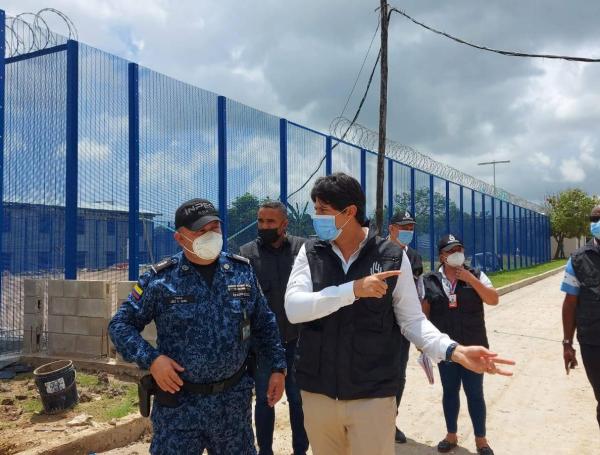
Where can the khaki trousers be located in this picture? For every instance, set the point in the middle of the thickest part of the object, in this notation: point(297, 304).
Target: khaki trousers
point(349, 427)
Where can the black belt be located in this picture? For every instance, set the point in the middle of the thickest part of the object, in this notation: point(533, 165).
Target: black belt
point(215, 387)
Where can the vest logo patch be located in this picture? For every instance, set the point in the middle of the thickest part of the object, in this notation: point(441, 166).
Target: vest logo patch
point(376, 268)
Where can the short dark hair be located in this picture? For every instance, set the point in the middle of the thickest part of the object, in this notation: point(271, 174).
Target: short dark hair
point(272, 204)
point(340, 190)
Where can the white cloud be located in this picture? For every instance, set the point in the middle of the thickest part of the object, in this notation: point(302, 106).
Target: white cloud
point(572, 171)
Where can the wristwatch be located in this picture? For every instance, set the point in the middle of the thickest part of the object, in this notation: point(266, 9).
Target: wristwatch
point(450, 351)
point(567, 342)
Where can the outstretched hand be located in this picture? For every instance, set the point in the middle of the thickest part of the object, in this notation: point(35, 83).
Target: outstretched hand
point(481, 360)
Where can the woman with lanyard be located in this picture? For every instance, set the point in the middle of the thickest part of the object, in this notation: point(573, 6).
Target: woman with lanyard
point(454, 297)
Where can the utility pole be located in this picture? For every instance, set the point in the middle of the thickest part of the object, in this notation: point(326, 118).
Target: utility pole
point(382, 116)
point(493, 163)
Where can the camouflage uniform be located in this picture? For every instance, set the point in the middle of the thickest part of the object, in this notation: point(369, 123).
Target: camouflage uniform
point(200, 327)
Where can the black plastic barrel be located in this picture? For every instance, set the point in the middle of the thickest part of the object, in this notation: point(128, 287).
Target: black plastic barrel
point(56, 383)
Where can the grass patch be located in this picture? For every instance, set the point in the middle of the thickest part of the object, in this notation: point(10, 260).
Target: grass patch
point(86, 380)
point(505, 277)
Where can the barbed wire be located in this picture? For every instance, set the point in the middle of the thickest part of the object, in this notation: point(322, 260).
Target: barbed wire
point(367, 139)
point(30, 32)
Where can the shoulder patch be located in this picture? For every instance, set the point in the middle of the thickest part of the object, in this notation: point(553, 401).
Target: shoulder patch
point(238, 258)
point(165, 263)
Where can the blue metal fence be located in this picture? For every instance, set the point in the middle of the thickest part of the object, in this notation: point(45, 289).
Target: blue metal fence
point(98, 152)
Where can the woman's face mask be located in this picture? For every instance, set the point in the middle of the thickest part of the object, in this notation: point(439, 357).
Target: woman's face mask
point(325, 227)
point(456, 259)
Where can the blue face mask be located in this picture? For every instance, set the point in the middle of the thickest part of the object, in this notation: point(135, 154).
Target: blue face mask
point(405, 237)
point(325, 227)
point(595, 229)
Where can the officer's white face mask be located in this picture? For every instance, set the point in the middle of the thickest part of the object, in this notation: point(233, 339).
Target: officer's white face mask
point(208, 245)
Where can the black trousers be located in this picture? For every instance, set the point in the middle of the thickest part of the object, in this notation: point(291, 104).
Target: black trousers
point(590, 354)
point(404, 348)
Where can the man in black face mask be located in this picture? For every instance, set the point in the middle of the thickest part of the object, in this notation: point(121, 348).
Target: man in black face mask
point(272, 256)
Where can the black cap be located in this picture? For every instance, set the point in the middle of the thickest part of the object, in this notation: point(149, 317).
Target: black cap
point(195, 214)
point(449, 241)
point(402, 218)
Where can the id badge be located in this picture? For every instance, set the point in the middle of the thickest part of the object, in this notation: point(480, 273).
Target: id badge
point(245, 328)
point(452, 301)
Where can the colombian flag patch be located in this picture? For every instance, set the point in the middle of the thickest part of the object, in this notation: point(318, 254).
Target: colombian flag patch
point(137, 292)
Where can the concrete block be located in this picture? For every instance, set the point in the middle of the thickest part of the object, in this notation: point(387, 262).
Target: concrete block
point(75, 288)
point(32, 341)
point(93, 308)
point(56, 324)
point(99, 289)
point(33, 304)
point(33, 320)
point(33, 287)
point(60, 343)
point(91, 346)
point(56, 288)
point(63, 306)
point(85, 326)
point(124, 289)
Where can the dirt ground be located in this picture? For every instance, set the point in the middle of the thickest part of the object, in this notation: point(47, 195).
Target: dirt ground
point(102, 399)
point(540, 410)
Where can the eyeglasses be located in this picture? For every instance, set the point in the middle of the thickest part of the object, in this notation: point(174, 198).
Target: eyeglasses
point(595, 218)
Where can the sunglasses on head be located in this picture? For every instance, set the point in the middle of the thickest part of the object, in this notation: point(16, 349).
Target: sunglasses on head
point(595, 218)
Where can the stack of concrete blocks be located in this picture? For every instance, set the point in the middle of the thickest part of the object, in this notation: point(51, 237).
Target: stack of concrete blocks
point(33, 315)
point(78, 316)
point(149, 332)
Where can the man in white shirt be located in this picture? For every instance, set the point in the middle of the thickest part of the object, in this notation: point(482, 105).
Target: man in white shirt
point(352, 291)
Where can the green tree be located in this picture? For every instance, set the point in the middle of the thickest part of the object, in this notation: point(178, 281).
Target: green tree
point(241, 219)
point(300, 221)
point(569, 213)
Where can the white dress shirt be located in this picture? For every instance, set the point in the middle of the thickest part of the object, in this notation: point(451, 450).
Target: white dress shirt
point(304, 305)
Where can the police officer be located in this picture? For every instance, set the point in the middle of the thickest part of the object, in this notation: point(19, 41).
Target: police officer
point(401, 229)
point(206, 305)
point(272, 255)
point(581, 307)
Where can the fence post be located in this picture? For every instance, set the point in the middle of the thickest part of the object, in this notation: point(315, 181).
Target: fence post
point(71, 180)
point(390, 188)
point(283, 175)
point(134, 170)
point(461, 215)
point(508, 251)
point(431, 223)
point(2, 113)
point(501, 234)
point(521, 242)
point(473, 223)
point(222, 154)
point(363, 170)
point(448, 207)
point(484, 237)
point(415, 243)
point(328, 158)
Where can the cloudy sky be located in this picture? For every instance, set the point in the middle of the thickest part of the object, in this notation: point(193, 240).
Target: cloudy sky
point(299, 60)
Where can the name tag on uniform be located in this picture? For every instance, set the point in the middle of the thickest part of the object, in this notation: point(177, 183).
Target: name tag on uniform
point(245, 327)
point(452, 301)
point(176, 299)
point(239, 290)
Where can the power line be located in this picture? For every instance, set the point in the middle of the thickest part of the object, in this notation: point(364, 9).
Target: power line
point(361, 68)
point(362, 102)
point(497, 51)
